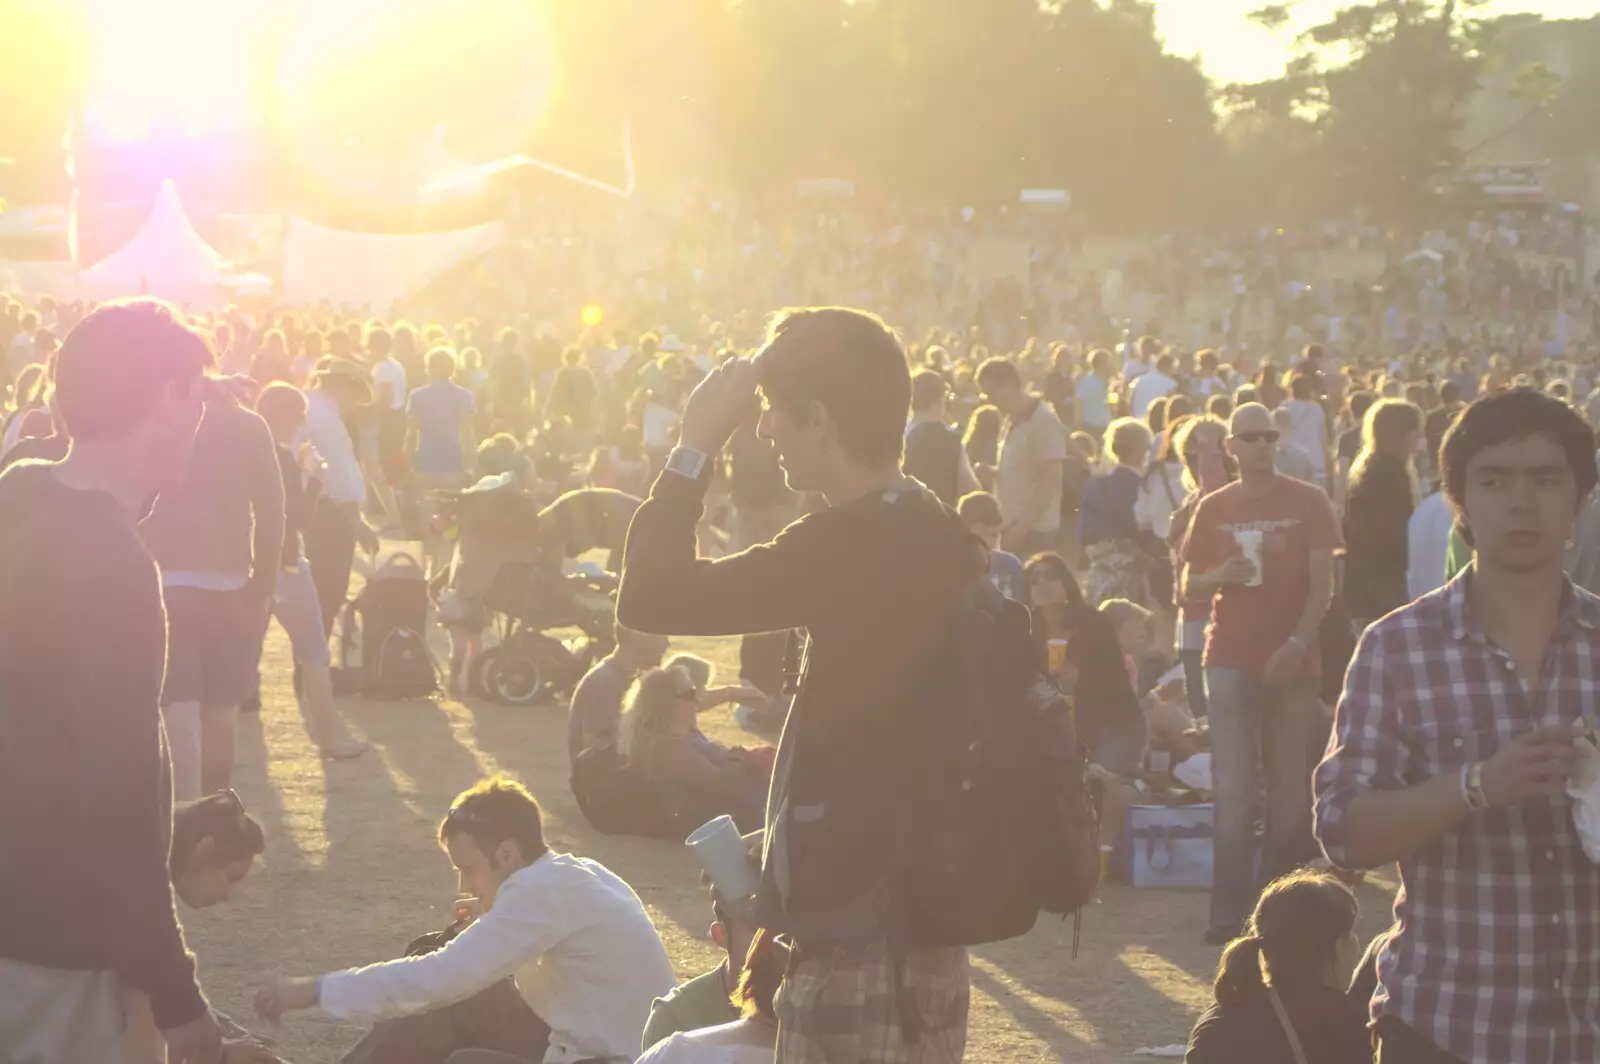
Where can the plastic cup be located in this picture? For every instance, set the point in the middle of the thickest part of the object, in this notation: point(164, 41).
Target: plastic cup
point(1249, 540)
point(720, 849)
point(1056, 656)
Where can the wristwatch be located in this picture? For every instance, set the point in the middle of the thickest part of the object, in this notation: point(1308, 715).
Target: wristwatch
point(687, 462)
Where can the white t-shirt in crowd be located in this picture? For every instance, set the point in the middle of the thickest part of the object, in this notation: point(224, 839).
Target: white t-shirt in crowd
point(391, 373)
point(324, 430)
point(585, 955)
point(1150, 387)
point(1310, 432)
point(698, 1047)
point(1428, 545)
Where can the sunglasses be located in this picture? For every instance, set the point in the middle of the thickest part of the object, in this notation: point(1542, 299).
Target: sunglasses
point(1266, 436)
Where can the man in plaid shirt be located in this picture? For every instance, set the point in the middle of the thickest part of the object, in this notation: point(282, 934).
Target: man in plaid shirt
point(1450, 754)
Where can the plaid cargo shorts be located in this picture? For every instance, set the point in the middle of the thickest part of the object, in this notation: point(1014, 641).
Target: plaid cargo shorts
point(841, 1004)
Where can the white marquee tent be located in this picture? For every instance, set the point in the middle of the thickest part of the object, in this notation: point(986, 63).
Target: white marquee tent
point(166, 258)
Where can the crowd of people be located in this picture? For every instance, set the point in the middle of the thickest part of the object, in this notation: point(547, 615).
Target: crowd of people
point(1330, 552)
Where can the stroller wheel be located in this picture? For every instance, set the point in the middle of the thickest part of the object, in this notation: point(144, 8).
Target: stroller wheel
point(478, 670)
point(514, 679)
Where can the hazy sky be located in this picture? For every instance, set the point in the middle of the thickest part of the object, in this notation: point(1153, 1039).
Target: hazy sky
point(1232, 49)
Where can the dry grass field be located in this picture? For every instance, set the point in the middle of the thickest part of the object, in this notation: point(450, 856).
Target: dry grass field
point(352, 873)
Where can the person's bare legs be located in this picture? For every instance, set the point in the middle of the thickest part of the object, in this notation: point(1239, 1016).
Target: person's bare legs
point(216, 746)
point(182, 722)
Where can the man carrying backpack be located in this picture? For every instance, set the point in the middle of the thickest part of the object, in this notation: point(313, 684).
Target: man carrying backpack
point(934, 454)
point(876, 578)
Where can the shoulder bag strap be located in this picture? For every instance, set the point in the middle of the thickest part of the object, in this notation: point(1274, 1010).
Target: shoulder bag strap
point(1288, 1028)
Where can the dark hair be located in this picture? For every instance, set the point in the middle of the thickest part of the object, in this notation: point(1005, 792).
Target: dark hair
point(1166, 449)
point(1155, 415)
point(1057, 566)
point(761, 976)
point(1302, 386)
point(1219, 406)
point(379, 340)
point(1295, 929)
point(1179, 406)
point(852, 365)
point(280, 403)
point(441, 363)
point(1167, 363)
point(220, 817)
point(1000, 371)
point(1501, 417)
point(927, 389)
point(1450, 392)
point(979, 508)
point(1359, 402)
point(117, 362)
point(492, 811)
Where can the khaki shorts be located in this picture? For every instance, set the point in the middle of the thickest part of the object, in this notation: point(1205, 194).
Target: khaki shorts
point(50, 1015)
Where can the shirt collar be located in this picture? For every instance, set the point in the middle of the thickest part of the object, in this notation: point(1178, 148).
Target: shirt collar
point(1577, 608)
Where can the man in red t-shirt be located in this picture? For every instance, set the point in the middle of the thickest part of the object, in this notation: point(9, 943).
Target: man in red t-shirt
point(1262, 550)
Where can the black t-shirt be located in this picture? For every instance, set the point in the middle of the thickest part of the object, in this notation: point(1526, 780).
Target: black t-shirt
point(1332, 1029)
point(1350, 444)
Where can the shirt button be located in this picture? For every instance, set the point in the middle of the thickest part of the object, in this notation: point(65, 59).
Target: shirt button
point(1555, 918)
point(1556, 983)
point(1549, 855)
point(1460, 742)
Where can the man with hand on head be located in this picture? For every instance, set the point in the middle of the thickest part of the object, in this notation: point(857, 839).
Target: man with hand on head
point(1451, 750)
point(560, 963)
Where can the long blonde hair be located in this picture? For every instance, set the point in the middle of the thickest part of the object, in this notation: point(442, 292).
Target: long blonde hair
point(647, 715)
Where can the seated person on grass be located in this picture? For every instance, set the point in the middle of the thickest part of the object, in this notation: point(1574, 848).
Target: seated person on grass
point(214, 844)
point(559, 964)
point(707, 999)
point(595, 716)
point(697, 777)
point(750, 1039)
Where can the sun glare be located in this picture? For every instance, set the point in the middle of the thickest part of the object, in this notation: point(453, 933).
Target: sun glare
point(168, 61)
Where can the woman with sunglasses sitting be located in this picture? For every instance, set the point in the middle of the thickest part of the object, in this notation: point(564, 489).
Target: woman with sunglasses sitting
point(750, 1039)
point(701, 778)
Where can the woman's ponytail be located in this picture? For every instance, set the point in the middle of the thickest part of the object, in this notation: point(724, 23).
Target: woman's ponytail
point(1239, 974)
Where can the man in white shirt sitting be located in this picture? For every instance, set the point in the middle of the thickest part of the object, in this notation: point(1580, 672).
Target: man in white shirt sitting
point(564, 932)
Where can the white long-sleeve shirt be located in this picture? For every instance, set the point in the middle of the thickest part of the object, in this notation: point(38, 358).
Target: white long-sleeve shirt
point(324, 429)
point(586, 957)
point(1427, 544)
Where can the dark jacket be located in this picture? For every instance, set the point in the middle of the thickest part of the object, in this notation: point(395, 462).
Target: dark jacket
point(1332, 1029)
point(1377, 510)
point(875, 583)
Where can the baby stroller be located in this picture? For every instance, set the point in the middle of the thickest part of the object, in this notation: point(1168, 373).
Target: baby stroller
point(506, 575)
point(527, 600)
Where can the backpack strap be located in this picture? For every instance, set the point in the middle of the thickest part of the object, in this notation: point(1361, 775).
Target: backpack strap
point(1288, 1027)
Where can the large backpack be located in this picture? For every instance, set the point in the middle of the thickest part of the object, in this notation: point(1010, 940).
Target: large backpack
point(933, 456)
point(999, 825)
point(392, 611)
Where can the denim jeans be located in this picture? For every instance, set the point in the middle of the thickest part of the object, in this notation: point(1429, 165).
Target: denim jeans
point(1253, 725)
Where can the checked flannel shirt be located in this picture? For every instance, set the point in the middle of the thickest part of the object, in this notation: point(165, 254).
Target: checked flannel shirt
point(1497, 958)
